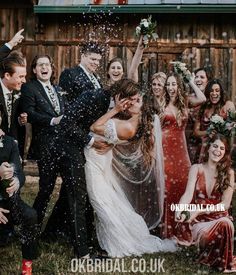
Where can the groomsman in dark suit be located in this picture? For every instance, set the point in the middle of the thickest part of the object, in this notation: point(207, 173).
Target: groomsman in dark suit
point(10, 113)
point(42, 102)
point(12, 208)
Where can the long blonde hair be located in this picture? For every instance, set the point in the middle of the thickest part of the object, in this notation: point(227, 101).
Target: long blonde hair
point(160, 105)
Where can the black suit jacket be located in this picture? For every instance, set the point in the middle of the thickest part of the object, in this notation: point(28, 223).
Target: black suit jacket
point(85, 110)
point(75, 81)
point(9, 153)
point(14, 128)
point(4, 51)
point(35, 102)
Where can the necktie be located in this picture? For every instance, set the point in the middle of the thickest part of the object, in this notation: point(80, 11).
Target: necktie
point(9, 108)
point(53, 99)
point(94, 81)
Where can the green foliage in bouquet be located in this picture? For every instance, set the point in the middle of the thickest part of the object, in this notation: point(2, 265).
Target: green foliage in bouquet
point(181, 69)
point(225, 127)
point(147, 28)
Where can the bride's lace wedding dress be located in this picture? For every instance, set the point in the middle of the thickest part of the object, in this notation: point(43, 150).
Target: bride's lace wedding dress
point(120, 230)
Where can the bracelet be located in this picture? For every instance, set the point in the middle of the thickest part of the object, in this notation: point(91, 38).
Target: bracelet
point(187, 215)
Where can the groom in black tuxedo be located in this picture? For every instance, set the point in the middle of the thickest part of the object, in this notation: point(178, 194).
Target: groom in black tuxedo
point(86, 109)
point(83, 77)
point(76, 81)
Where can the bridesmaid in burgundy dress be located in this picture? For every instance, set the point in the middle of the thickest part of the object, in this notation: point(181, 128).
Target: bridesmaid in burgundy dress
point(212, 183)
point(176, 158)
point(216, 104)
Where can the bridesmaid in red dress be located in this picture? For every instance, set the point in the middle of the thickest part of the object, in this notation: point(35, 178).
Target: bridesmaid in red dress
point(216, 104)
point(176, 158)
point(212, 183)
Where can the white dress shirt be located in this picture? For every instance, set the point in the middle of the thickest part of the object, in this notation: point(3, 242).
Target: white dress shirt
point(92, 78)
point(44, 84)
point(6, 93)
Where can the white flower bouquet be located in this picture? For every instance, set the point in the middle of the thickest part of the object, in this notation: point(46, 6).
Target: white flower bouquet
point(147, 28)
point(181, 69)
point(224, 127)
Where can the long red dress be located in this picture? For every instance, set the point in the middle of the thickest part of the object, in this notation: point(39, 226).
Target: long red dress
point(176, 165)
point(213, 233)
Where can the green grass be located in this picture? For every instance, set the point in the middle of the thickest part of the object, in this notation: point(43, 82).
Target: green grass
point(55, 259)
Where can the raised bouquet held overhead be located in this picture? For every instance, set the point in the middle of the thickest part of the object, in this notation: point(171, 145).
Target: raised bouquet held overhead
point(147, 29)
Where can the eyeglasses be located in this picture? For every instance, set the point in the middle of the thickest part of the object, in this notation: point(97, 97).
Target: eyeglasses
point(44, 64)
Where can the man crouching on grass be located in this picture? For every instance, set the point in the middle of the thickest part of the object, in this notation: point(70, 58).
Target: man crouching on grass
point(12, 208)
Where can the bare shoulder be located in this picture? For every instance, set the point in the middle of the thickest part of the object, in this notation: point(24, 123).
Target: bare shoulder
point(195, 168)
point(231, 172)
point(229, 105)
point(124, 129)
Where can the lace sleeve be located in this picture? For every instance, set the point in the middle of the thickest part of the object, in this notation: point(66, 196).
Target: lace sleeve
point(110, 132)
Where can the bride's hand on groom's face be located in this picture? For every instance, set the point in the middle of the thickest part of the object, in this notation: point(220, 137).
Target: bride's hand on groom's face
point(121, 104)
point(101, 146)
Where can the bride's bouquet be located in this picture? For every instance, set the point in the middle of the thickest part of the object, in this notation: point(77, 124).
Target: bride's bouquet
point(147, 28)
point(181, 69)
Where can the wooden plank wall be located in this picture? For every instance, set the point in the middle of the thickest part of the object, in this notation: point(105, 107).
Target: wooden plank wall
point(198, 40)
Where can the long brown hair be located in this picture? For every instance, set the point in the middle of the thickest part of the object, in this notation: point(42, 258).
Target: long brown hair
point(113, 60)
point(223, 166)
point(145, 131)
point(208, 104)
point(180, 102)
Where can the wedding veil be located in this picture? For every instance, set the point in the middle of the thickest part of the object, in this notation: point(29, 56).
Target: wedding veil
point(143, 186)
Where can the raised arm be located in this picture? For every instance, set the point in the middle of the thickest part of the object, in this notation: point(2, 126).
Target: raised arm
point(199, 96)
point(16, 39)
point(133, 71)
point(99, 126)
point(6, 48)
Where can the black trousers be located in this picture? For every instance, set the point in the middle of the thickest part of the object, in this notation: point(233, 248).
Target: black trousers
point(68, 161)
point(25, 218)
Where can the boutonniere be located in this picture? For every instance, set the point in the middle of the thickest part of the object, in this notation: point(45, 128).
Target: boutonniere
point(16, 96)
point(62, 92)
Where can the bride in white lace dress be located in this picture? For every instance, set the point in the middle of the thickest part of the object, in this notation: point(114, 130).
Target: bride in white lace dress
point(121, 231)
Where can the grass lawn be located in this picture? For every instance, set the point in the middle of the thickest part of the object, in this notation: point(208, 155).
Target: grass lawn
point(56, 258)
